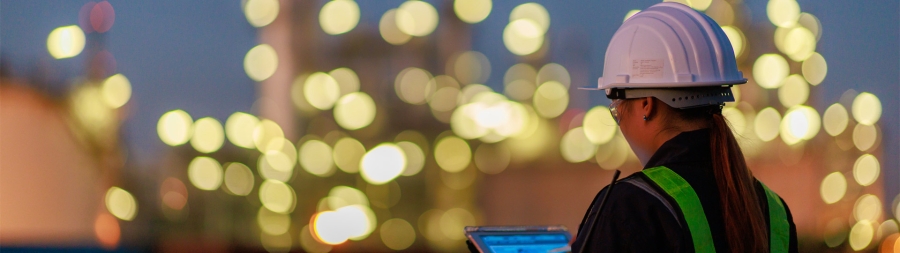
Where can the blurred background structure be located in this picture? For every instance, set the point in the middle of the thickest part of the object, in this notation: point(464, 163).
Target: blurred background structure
point(334, 125)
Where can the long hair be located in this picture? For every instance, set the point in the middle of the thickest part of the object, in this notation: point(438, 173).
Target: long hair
point(745, 225)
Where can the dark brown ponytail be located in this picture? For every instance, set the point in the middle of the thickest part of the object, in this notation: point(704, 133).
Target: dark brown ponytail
point(745, 225)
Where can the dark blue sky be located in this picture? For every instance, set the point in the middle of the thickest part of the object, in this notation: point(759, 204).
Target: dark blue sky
point(189, 54)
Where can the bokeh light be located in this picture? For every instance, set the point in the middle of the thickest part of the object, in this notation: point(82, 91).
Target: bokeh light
point(354, 111)
point(116, 90)
point(310, 244)
point(599, 126)
point(260, 62)
point(414, 86)
point(208, 135)
point(238, 179)
point(341, 196)
point(173, 193)
point(315, 157)
point(861, 235)
point(389, 30)
point(783, 13)
point(65, 42)
point(835, 119)
point(121, 203)
point(700, 5)
point(205, 173)
point(339, 16)
point(523, 36)
point(736, 37)
point(769, 70)
point(866, 169)
point(793, 91)
point(864, 137)
point(492, 158)
point(417, 18)
point(415, 158)
point(397, 234)
point(472, 11)
point(239, 129)
point(575, 146)
point(347, 80)
point(452, 154)
point(799, 123)
point(867, 208)
point(629, 14)
point(107, 230)
point(267, 133)
point(814, 69)
point(534, 12)
point(799, 43)
point(833, 187)
point(766, 124)
point(553, 72)
point(277, 196)
point(349, 222)
point(174, 127)
point(383, 163)
point(261, 12)
point(347, 154)
point(866, 108)
point(266, 171)
point(736, 119)
point(454, 221)
point(102, 17)
point(321, 90)
point(470, 67)
point(811, 23)
point(272, 223)
point(551, 99)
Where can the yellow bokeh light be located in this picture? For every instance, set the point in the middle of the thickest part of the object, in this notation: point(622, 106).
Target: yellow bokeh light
point(347, 80)
point(276, 243)
point(266, 171)
point(65, 42)
point(470, 67)
point(866, 108)
point(239, 129)
point(736, 119)
point(445, 99)
point(794, 91)
point(273, 223)
point(835, 119)
point(116, 91)
point(861, 235)
point(208, 135)
point(261, 62)
point(864, 137)
point(766, 124)
point(174, 127)
point(811, 23)
point(339, 16)
point(341, 196)
point(630, 13)
point(310, 244)
point(736, 37)
point(452, 154)
point(414, 86)
point(315, 157)
point(417, 18)
point(415, 158)
point(265, 133)
point(799, 43)
point(534, 12)
point(397, 234)
point(277, 196)
point(867, 208)
point(205, 173)
point(120, 203)
point(783, 13)
point(238, 179)
point(472, 11)
point(261, 12)
point(520, 90)
point(382, 164)
point(554, 72)
point(551, 99)
point(91, 111)
point(866, 170)
point(454, 221)
point(769, 70)
point(492, 159)
point(347, 154)
point(833, 187)
point(575, 146)
point(361, 219)
point(814, 69)
point(327, 228)
point(722, 12)
point(800, 123)
point(389, 30)
point(321, 90)
point(599, 126)
point(520, 71)
point(523, 36)
point(352, 222)
point(354, 111)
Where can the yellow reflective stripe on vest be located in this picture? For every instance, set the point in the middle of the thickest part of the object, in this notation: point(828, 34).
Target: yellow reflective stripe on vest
point(779, 229)
point(686, 198)
point(690, 205)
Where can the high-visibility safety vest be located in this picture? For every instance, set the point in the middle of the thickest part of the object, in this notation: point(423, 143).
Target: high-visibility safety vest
point(686, 198)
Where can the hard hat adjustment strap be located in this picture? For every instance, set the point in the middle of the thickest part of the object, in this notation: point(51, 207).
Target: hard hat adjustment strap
point(681, 98)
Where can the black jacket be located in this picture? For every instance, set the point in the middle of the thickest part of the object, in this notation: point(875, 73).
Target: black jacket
point(637, 216)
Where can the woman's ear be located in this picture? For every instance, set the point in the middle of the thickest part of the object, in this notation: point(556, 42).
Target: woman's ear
point(648, 107)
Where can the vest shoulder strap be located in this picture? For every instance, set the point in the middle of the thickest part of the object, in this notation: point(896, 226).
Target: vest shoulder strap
point(779, 229)
point(686, 198)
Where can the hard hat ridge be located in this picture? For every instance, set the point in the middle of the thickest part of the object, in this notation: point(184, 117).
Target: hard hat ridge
point(671, 52)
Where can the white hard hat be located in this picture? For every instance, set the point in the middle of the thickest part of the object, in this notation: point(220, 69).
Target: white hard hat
point(671, 52)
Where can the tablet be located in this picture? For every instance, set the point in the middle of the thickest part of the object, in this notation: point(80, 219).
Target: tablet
point(520, 239)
